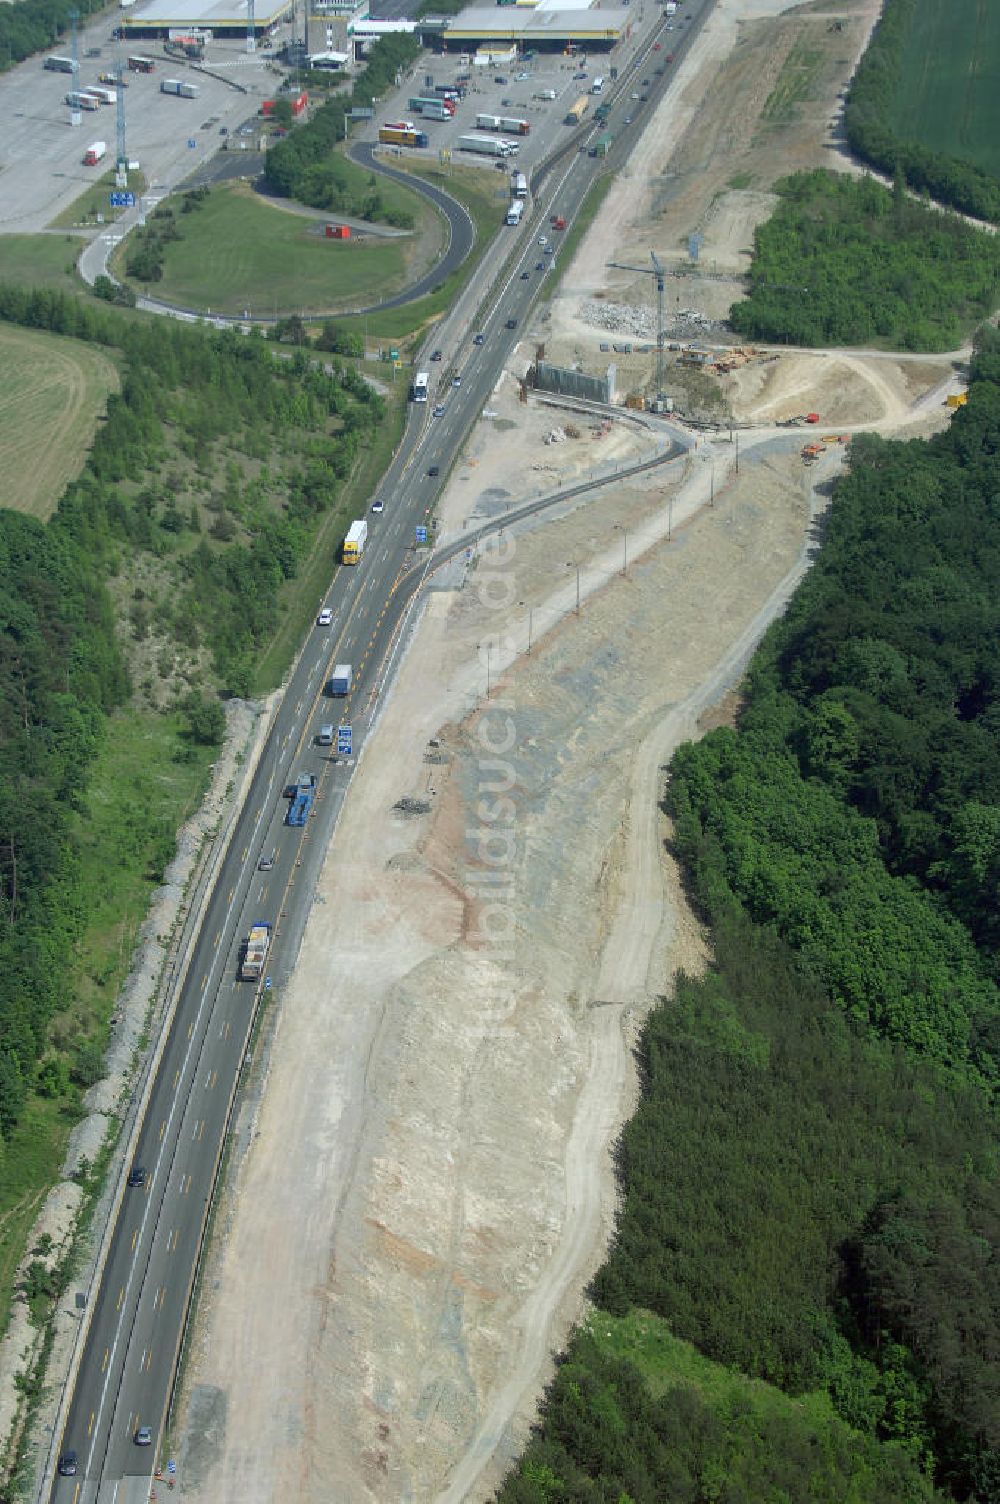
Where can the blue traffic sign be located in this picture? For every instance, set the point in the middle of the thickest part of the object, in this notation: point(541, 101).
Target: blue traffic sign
point(192, 143)
point(345, 742)
point(122, 200)
point(421, 535)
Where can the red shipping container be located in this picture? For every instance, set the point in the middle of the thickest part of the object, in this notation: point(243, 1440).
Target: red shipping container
point(338, 232)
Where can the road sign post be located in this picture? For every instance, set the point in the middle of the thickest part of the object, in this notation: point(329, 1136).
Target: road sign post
point(421, 535)
point(345, 741)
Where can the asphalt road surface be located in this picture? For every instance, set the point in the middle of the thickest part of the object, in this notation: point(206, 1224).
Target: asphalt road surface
point(127, 1368)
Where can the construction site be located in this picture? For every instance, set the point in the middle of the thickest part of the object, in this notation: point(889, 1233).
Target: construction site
point(423, 1179)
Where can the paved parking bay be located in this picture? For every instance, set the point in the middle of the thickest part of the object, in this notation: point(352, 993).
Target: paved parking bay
point(42, 171)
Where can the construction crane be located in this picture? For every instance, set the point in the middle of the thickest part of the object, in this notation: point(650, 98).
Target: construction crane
point(657, 271)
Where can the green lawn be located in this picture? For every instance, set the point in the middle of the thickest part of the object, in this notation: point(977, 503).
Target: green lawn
point(95, 200)
point(237, 252)
point(485, 195)
point(948, 98)
point(41, 260)
point(53, 393)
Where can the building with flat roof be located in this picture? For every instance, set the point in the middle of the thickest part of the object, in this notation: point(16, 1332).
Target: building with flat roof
point(544, 25)
point(220, 18)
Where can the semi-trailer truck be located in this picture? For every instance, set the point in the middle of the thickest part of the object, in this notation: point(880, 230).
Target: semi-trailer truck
point(514, 125)
point(77, 100)
point(487, 146)
point(515, 211)
point(302, 800)
point(255, 951)
point(179, 87)
point(394, 135)
point(354, 543)
point(432, 109)
point(95, 151)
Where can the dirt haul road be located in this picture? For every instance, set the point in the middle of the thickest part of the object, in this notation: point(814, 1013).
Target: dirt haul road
point(421, 1192)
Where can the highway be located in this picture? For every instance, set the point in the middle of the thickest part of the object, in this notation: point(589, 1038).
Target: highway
point(137, 1318)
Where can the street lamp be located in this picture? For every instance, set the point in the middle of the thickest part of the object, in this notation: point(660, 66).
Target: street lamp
point(489, 649)
point(621, 528)
point(573, 565)
point(531, 612)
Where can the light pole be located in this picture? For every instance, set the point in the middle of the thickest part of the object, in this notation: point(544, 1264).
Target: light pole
point(670, 519)
point(489, 649)
point(573, 565)
point(621, 528)
point(531, 612)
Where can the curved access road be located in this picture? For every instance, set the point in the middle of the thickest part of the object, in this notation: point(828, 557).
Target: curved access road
point(461, 230)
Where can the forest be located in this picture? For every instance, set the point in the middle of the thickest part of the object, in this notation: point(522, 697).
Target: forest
point(224, 535)
point(924, 168)
point(30, 26)
point(848, 262)
point(303, 165)
point(809, 1185)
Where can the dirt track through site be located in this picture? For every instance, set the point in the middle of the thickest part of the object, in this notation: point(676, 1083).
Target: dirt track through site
point(424, 1187)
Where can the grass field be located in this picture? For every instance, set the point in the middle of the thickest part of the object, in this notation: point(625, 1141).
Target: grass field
point(95, 200)
point(485, 195)
point(238, 252)
point(948, 98)
point(51, 396)
point(40, 260)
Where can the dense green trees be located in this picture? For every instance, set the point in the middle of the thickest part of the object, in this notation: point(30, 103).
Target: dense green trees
point(867, 119)
point(843, 262)
point(809, 1185)
point(29, 26)
point(186, 394)
point(304, 164)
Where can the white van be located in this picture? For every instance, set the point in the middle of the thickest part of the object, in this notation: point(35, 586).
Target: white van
point(325, 737)
point(597, 87)
point(546, 94)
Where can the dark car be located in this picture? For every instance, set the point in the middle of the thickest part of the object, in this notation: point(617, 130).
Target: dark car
point(539, 266)
point(138, 1175)
point(66, 1466)
point(512, 323)
point(479, 339)
point(434, 470)
point(524, 276)
point(437, 355)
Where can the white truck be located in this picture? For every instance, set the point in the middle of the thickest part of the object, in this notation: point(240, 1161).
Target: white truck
point(255, 951)
point(354, 543)
point(179, 87)
point(487, 146)
point(95, 151)
point(515, 211)
point(341, 680)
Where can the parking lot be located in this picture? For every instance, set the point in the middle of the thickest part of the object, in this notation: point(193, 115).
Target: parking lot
point(508, 90)
point(42, 171)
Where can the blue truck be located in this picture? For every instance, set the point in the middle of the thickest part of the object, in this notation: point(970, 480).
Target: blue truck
point(303, 792)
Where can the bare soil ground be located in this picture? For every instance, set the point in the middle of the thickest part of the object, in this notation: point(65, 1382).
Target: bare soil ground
point(426, 1184)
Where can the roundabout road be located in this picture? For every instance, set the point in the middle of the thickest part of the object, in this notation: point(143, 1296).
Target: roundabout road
point(461, 230)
